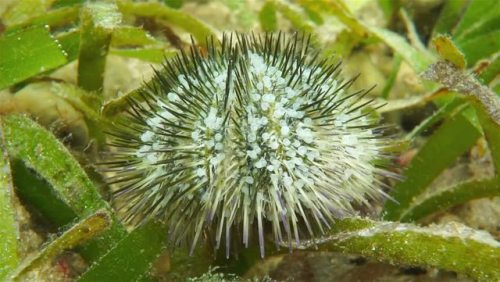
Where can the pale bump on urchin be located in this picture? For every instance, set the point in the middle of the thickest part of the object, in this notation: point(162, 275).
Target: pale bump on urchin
point(252, 133)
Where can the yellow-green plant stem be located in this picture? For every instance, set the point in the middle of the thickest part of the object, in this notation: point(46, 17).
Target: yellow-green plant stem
point(76, 235)
point(450, 247)
point(98, 21)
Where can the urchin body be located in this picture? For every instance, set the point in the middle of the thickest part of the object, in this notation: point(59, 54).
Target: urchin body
point(255, 133)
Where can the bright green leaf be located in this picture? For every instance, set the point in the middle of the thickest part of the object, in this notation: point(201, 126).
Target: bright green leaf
point(40, 151)
point(451, 140)
point(70, 43)
point(480, 17)
point(448, 50)
point(66, 3)
point(176, 4)
point(153, 55)
point(267, 17)
point(53, 18)
point(32, 189)
point(453, 196)
point(27, 53)
point(131, 257)
point(480, 47)
point(442, 112)
point(132, 36)
point(8, 225)
point(449, 16)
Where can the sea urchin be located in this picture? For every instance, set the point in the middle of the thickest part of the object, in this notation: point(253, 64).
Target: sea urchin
point(255, 130)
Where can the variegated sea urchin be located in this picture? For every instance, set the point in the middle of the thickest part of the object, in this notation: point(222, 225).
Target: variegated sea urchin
point(253, 131)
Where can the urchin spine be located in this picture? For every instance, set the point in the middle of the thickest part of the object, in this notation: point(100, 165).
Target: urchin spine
point(258, 129)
